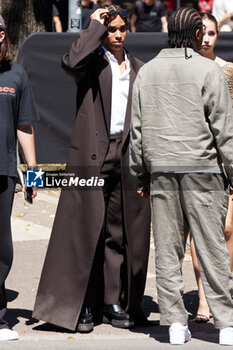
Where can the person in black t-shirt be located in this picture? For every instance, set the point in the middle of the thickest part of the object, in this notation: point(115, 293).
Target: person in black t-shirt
point(149, 16)
point(88, 7)
point(62, 7)
point(17, 113)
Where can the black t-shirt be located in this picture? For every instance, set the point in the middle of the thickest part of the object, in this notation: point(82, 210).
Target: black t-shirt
point(149, 17)
point(17, 107)
point(62, 7)
point(55, 11)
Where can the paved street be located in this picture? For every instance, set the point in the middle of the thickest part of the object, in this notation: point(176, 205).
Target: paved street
point(31, 229)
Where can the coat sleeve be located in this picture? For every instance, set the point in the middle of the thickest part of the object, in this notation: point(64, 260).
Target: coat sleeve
point(136, 161)
point(221, 121)
point(75, 61)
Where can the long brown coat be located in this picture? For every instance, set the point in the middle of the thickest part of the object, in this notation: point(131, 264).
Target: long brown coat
point(80, 213)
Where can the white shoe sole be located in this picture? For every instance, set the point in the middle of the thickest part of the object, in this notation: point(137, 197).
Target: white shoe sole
point(8, 335)
point(179, 342)
point(226, 336)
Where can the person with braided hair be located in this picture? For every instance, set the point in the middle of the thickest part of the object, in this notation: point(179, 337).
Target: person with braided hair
point(181, 133)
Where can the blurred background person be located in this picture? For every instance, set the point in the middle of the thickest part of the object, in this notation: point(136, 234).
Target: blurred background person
point(205, 5)
point(222, 10)
point(207, 50)
point(149, 16)
point(56, 20)
point(88, 7)
point(62, 7)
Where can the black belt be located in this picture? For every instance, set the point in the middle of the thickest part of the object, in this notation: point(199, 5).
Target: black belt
point(117, 136)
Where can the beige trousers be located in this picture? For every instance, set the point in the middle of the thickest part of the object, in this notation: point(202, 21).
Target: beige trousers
point(195, 202)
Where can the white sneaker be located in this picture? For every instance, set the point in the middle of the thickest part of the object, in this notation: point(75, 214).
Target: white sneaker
point(8, 334)
point(179, 334)
point(226, 336)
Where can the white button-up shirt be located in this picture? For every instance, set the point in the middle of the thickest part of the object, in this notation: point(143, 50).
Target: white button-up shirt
point(120, 91)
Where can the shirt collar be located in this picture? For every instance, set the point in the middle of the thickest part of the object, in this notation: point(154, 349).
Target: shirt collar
point(177, 52)
point(112, 58)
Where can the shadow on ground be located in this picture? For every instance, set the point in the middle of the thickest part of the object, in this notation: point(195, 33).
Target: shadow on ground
point(201, 331)
point(14, 316)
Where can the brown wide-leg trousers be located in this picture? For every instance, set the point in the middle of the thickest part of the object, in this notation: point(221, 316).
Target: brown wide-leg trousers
point(110, 254)
point(113, 232)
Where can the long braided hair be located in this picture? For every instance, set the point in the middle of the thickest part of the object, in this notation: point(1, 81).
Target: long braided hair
point(182, 26)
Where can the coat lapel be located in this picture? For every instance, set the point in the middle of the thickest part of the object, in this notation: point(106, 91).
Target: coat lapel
point(128, 108)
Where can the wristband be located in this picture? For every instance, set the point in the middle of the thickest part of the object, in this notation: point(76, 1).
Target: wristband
point(32, 167)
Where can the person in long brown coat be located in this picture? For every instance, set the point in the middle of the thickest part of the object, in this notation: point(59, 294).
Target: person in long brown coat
point(98, 251)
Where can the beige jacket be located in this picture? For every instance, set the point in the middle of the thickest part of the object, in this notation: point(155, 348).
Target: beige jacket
point(182, 118)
